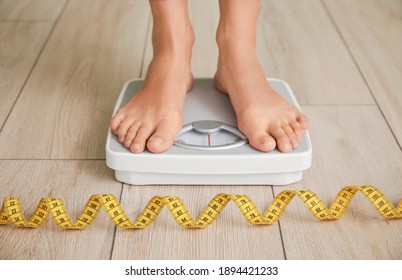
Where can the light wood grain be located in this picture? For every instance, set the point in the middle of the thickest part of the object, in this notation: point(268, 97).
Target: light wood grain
point(30, 9)
point(64, 109)
point(20, 43)
point(352, 145)
point(373, 32)
point(66, 106)
point(74, 182)
point(204, 17)
point(298, 42)
point(229, 237)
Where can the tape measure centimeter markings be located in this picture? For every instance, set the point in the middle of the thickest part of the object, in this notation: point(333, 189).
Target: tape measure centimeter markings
point(11, 211)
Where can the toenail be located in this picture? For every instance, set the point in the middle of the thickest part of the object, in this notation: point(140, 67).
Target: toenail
point(135, 147)
point(267, 141)
point(156, 140)
point(287, 147)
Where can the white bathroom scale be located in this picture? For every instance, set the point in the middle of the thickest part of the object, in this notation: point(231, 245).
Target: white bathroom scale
point(209, 150)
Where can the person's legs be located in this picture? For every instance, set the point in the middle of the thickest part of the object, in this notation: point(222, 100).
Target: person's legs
point(153, 116)
point(262, 115)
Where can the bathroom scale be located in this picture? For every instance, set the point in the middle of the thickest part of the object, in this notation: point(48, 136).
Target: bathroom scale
point(209, 149)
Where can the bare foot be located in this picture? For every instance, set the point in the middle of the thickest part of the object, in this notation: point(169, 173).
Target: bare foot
point(263, 115)
point(153, 117)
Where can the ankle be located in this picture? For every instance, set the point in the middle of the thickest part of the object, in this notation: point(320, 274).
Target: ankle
point(177, 46)
point(235, 46)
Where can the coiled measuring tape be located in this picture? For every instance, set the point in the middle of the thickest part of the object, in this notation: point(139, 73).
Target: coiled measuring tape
point(11, 211)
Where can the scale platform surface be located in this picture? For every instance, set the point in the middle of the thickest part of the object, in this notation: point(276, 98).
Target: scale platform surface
point(209, 150)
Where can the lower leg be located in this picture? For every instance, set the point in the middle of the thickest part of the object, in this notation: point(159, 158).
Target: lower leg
point(152, 118)
point(262, 114)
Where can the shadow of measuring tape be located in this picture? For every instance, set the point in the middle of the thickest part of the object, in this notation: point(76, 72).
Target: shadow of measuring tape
point(11, 212)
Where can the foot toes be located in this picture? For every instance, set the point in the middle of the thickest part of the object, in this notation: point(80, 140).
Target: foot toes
point(292, 136)
point(262, 141)
point(122, 130)
point(131, 133)
point(302, 120)
point(163, 138)
point(157, 143)
point(298, 130)
point(282, 139)
point(138, 143)
point(116, 121)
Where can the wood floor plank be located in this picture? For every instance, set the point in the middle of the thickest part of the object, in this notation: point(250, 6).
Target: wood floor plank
point(30, 9)
point(352, 145)
point(74, 182)
point(204, 16)
point(66, 105)
point(373, 32)
point(229, 237)
point(298, 42)
point(64, 109)
point(20, 44)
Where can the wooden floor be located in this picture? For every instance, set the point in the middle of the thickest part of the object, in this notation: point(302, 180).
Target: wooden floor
point(63, 63)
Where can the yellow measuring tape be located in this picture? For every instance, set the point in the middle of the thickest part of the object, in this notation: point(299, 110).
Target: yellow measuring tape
point(11, 211)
